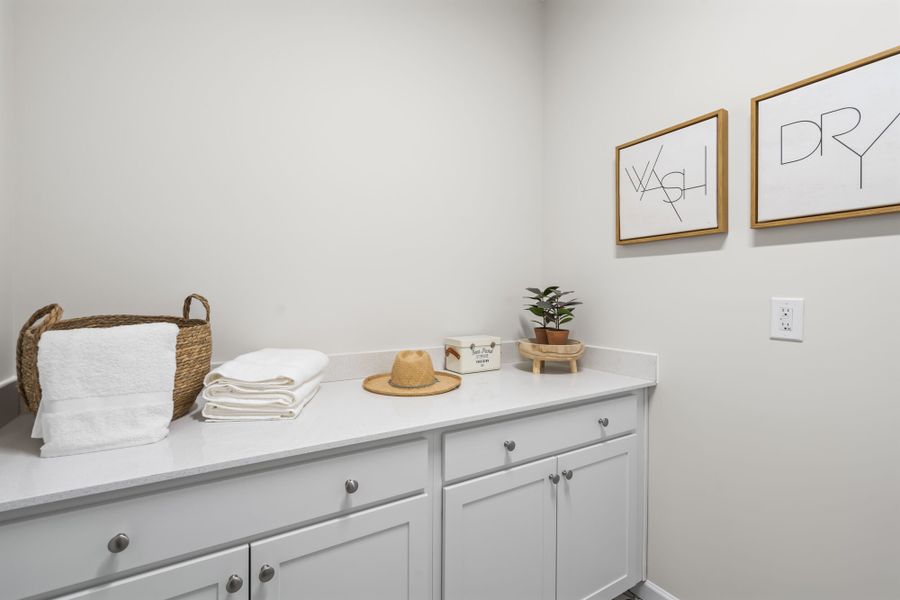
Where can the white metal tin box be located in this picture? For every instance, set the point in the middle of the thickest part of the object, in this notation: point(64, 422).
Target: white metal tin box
point(472, 353)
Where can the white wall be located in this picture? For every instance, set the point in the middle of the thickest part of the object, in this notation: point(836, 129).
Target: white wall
point(339, 174)
point(773, 464)
point(7, 335)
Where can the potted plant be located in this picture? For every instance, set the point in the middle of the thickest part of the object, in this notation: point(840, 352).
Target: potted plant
point(559, 312)
point(540, 308)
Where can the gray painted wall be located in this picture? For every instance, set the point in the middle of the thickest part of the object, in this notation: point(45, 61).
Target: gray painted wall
point(773, 465)
point(348, 176)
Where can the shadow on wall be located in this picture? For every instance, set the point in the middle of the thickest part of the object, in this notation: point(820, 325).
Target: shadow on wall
point(826, 231)
point(804, 233)
point(704, 243)
point(9, 403)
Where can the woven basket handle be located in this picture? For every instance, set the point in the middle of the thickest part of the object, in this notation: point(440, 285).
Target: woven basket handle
point(51, 315)
point(186, 311)
point(53, 312)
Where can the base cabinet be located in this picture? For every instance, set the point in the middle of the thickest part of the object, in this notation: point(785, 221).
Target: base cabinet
point(598, 549)
point(500, 535)
point(382, 553)
point(513, 516)
point(219, 576)
point(562, 528)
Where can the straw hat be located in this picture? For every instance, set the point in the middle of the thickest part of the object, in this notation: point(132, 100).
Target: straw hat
point(412, 375)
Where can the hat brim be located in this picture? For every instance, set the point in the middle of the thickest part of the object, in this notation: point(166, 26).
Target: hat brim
point(379, 384)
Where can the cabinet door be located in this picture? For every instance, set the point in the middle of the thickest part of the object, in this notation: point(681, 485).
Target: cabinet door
point(598, 550)
point(500, 535)
point(204, 578)
point(381, 553)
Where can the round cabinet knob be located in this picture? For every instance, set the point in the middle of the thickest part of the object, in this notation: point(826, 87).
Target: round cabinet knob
point(510, 445)
point(266, 573)
point(235, 583)
point(351, 485)
point(568, 474)
point(118, 543)
point(554, 478)
point(604, 422)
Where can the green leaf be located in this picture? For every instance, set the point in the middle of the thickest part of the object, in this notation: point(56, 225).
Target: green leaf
point(535, 291)
point(539, 312)
point(565, 320)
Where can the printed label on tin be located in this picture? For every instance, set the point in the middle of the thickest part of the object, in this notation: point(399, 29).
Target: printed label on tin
point(482, 356)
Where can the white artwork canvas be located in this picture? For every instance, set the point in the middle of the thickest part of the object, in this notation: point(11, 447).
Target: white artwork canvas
point(829, 147)
point(671, 183)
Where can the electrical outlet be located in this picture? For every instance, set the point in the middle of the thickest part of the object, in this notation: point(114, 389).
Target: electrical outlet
point(787, 319)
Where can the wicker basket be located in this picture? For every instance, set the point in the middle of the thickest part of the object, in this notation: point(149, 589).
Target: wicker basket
point(193, 350)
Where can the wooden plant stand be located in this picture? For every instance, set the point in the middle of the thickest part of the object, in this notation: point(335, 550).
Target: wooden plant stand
point(540, 353)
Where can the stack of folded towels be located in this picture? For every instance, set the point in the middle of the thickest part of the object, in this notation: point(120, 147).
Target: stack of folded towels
point(270, 384)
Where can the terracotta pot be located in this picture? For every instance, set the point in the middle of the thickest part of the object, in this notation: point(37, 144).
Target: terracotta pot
point(540, 334)
point(558, 337)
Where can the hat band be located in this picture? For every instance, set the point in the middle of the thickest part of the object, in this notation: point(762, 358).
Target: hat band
point(412, 387)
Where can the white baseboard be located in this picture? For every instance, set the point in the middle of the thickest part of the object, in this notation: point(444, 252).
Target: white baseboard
point(647, 590)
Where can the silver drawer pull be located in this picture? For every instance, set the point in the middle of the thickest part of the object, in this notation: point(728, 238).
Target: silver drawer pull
point(267, 573)
point(351, 485)
point(604, 422)
point(510, 445)
point(554, 478)
point(234, 584)
point(118, 543)
point(568, 474)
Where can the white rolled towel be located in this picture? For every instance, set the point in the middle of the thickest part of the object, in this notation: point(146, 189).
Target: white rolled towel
point(271, 367)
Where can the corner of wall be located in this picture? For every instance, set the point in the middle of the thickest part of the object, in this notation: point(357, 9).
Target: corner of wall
point(9, 404)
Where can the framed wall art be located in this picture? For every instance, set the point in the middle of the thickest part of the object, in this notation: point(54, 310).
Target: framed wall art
point(674, 183)
point(828, 147)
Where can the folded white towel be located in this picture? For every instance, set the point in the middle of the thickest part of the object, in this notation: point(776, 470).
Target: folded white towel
point(270, 367)
point(220, 411)
point(91, 430)
point(104, 388)
point(228, 394)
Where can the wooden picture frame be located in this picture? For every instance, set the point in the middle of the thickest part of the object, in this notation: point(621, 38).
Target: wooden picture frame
point(691, 140)
point(831, 186)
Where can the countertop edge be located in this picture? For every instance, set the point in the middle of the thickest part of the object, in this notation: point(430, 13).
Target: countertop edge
point(45, 503)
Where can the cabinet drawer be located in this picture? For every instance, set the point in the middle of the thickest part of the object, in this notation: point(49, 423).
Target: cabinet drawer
point(204, 578)
point(49, 552)
point(481, 449)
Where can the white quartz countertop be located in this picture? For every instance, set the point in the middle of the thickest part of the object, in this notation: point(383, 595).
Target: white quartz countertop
point(341, 415)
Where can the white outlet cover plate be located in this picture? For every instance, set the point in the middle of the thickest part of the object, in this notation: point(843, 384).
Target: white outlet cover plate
point(786, 320)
